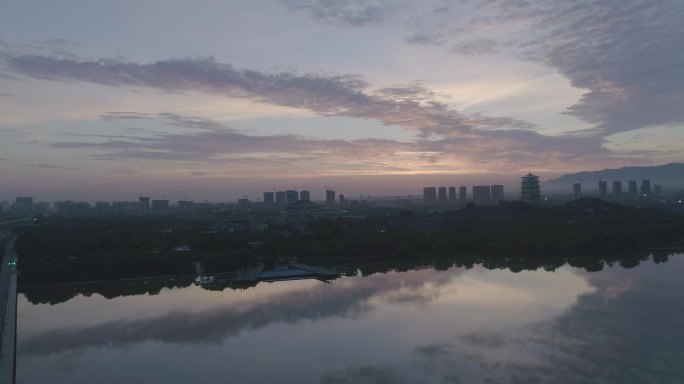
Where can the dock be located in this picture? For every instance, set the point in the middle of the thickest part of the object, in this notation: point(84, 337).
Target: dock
point(250, 275)
point(320, 271)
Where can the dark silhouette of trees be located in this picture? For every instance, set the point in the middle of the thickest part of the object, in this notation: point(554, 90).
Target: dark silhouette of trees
point(517, 236)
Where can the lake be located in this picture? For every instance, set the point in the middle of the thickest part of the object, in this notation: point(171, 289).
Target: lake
point(617, 325)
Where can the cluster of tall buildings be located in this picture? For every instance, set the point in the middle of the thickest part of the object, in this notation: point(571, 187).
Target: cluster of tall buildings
point(634, 190)
point(481, 195)
point(146, 204)
point(25, 207)
point(281, 199)
point(293, 201)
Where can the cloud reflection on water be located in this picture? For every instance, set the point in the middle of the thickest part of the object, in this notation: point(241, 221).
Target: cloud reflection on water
point(349, 298)
point(421, 326)
point(626, 331)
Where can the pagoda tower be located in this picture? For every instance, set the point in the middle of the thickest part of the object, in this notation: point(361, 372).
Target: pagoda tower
point(529, 189)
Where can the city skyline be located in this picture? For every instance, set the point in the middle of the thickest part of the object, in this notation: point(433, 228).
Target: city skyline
point(222, 100)
point(529, 191)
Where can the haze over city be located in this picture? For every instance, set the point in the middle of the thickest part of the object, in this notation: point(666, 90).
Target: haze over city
point(223, 99)
point(341, 191)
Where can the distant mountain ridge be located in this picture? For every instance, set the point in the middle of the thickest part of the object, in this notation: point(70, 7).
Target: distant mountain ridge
point(668, 175)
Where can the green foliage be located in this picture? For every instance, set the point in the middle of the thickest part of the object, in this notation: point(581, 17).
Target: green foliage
point(91, 250)
point(512, 235)
point(61, 293)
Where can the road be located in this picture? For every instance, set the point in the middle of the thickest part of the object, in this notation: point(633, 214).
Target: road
point(8, 307)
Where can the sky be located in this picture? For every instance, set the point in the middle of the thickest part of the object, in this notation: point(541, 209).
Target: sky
point(213, 100)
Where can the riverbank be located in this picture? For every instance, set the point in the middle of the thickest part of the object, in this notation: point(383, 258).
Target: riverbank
point(512, 235)
point(153, 285)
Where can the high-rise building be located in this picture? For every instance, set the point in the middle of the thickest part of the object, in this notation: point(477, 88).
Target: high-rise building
point(497, 193)
point(280, 198)
point(144, 203)
point(343, 202)
point(189, 205)
point(482, 194)
point(291, 196)
point(429, 195)
point(645, 188)
point(61, 207)
point(617, 188)
point(329, 197)
point(269, 198)
point(452, 194)
point(103, 207)
point(530, 191)
point(305, 195)
point(23, 206)
point(657, 189)
point(603, 188)
point(41, 207)
point(72, 208)
point(442, 195)
point(83, 208)
point(632, 187)
point(462, 195)
point(577, 190)
point(160, 205)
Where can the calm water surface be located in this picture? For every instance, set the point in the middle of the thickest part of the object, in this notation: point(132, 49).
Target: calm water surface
point(421, 326)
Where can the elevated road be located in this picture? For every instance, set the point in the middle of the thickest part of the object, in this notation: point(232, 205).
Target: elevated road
point(8, 309)
point(7, 225)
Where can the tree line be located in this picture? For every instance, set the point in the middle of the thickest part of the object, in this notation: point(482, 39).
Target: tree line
point(512, 234)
